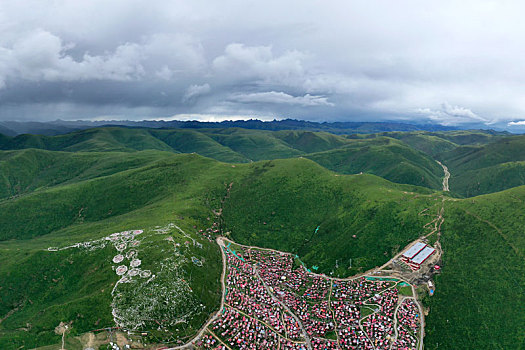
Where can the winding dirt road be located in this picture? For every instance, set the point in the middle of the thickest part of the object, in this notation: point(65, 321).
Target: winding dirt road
point(447, 176)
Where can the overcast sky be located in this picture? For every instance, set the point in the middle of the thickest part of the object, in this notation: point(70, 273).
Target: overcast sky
point(449, 62)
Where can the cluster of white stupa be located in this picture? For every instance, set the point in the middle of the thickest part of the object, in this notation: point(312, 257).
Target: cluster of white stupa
point(123, 241)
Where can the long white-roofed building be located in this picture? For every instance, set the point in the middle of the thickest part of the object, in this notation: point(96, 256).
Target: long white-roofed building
point(423, 255)
point(412, 251)
point(417, 255)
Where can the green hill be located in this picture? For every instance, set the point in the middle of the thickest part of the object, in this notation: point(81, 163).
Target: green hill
point(24, 171)
point(480, 161)
point(188, 141)
point(253, 144)
point(470, 137)
point(309, 142)
point(429, 143)
point(381, 156)
point(490, 179)
point(385, 157)
point(435, 143)
point(480, 295)
point(98, 140)
point(41, 288)
point(504, 150)
point(281, 203)
point(486, 168)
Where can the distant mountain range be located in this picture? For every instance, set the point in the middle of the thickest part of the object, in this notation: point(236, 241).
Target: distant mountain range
point(57, 127)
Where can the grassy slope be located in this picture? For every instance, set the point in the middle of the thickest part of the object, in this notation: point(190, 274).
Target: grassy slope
point(470, 137)
point(476, 157)
point(92, 200)
point(490, 179)
point(480, 161)
point(188, 141)
point(24, 171)
point(429, 143)
point(487, 168)
point(99, 139)
point(40, 283)
point(480, 296)
point(309, 142)
point(117, 139)
point(393, 160)
point(253, 144)
point(280, 204)
point(385, 157)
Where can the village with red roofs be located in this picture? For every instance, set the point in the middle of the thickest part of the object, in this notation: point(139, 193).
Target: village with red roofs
point(272, 301)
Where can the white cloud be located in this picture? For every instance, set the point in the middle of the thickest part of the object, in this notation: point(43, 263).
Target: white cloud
point(458, 111)
point(42, 56)
point(517, 123)
point(281, 98)
point(452, 115)
point(195, 91)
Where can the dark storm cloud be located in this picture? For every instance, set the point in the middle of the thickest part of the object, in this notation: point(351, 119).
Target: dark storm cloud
point(447, 62)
